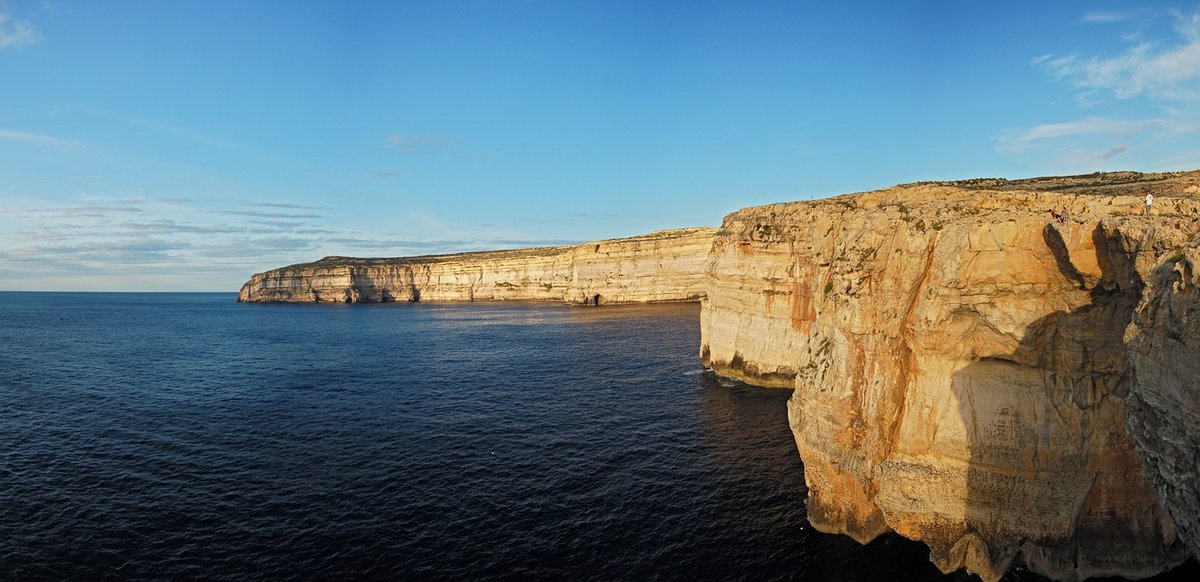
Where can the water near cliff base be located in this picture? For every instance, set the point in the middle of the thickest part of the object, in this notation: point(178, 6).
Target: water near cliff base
point(187, 436)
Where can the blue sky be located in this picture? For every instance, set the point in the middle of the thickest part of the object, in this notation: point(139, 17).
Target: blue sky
point(186, 145)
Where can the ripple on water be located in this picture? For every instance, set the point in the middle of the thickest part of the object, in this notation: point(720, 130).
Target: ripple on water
point(186, 436)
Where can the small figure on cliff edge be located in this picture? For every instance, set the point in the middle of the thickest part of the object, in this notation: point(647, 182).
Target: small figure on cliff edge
point(1149, 201)
point(1055, 215)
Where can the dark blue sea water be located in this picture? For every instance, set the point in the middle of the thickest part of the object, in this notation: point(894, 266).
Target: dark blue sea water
point(176, 436)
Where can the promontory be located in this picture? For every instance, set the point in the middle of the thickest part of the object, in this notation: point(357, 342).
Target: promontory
point(1005, 370)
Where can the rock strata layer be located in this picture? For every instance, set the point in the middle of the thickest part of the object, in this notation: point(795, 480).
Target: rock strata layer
point(961, 364)
point(661, 266)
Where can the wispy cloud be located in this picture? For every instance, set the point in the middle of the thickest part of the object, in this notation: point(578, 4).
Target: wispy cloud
point(54, 8)
point(92, 253)
point(401, 247)
point(15, 32)
point(1156, 70)
point(1091, 143)
point(170, 226)
point(260, 246)
point(424, 144)
point(1114, 151)
point(108, 242)
point(603, 215)
point(36, 139)
point(1163, 74)
point(91, 211)
point(259, 214)
point(1105, 16)
point(1014, 142)
point(288, 226)
point(282, 205)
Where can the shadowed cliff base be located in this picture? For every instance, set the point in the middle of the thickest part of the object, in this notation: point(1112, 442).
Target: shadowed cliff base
point(1164, 400)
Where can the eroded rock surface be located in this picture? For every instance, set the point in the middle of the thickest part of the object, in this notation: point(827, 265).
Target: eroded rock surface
point(1164, 404)
point(960, 366)
point(661, 266)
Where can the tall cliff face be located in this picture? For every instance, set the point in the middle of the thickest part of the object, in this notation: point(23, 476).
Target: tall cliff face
point(661, 266)
point(1164, 404)
point(960, 368)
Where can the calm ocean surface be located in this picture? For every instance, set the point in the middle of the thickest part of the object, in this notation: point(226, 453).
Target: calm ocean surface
point(174, 436)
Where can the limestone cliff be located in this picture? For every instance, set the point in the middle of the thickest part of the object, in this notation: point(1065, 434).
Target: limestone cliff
point(1164, 404)
point(661, 266)
point(960, 366)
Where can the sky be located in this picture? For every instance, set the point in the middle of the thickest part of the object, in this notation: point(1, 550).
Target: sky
point(183, 146)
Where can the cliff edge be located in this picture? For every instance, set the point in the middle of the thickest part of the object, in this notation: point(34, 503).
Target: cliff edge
point(961, 364)
point(661, 266)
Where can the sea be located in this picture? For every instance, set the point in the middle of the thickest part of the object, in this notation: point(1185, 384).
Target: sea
point(175, 436)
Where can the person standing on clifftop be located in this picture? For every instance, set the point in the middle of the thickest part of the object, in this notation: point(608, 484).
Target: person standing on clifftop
point(1149, 201)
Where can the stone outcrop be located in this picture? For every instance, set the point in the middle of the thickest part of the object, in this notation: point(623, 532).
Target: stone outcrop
point(961, 368)
point(661, 266)
point(1164, 404)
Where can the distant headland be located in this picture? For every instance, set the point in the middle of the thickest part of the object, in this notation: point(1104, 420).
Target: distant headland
point(666, 265)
